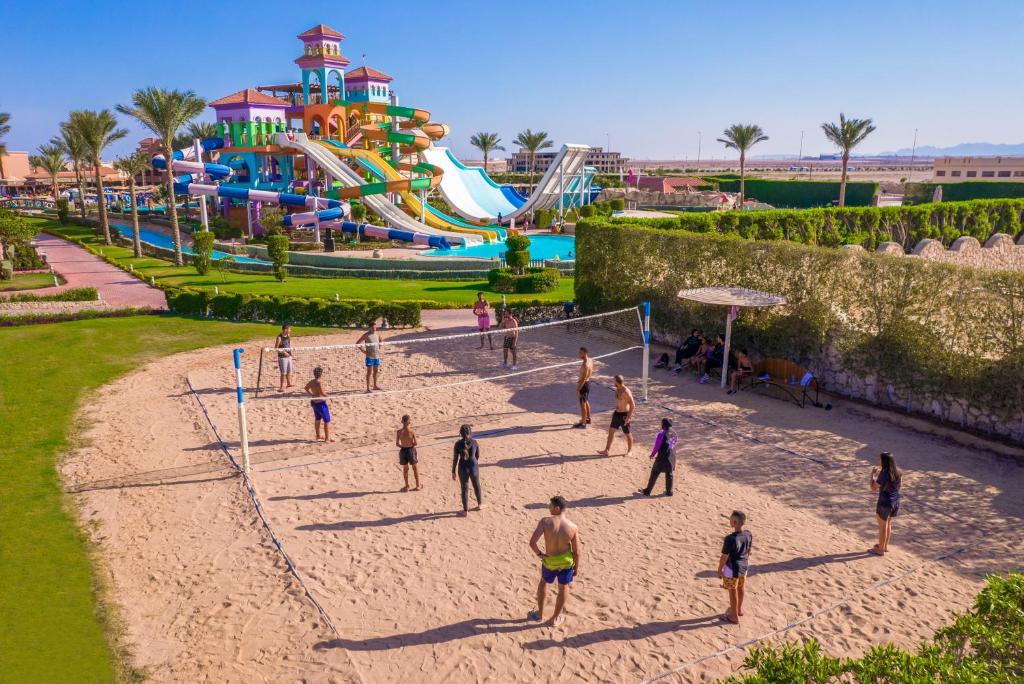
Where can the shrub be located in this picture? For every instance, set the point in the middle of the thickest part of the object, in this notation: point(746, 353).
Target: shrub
point(272, 221)
point(618, 204)
point(921, 193)
point(6, 270)
point(222, 229)
point(62, 211)
point(358, 212)
point(543, 218)
point(534, 280)
point(76, 294)
point(277, 250)
point(800, 194)
point(587, 210)
point(202, 245)
point(517, 254)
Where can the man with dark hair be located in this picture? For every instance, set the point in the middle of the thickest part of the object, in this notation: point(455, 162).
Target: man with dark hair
point(625, 405)
point(732, 566)
point(560, 558)
point(583, 387)
point(321, 413)
point(688, 348)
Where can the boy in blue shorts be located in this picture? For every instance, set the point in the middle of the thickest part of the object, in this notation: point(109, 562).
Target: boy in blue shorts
point(560, 559)
point(321, 413)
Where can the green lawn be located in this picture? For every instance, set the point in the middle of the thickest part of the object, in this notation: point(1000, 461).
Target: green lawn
point(53, 627)
point(26, 281)
point(454, 293)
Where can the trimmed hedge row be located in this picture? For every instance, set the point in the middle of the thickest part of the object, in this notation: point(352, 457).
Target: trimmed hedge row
point(800, 194)
point(921, 193)
point(75, 294)
point(534, 280)
point(63, 317)
point(865, 226)
point(295, 310)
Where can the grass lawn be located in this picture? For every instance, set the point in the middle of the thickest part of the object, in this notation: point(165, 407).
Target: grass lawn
point(446, 293)
point(26, 281)
point(52, 626)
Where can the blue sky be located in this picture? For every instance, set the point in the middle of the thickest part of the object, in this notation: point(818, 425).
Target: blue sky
point(650, 74)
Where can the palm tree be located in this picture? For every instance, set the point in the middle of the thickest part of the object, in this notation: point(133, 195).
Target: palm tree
point(486, 143)
point(5, 128)
point(203, 130)
point(98, 130)
point(74, 148)
point(532, 143)
point(132, 166)
point(50, 159)
point(164, 112)
point(846, 135)
point(742, 137)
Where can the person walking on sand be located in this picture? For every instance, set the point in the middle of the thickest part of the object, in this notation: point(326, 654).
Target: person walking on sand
point(369, 344)
point(481, 309)
point(405, 440)
point(887, 482)
point(732, 566)
point(511, 343)
point(284, 357)
point(466, 465)
point(321, 414)
point(622, 417)
point(664, 455)
point(583, 387)
point(559, 560)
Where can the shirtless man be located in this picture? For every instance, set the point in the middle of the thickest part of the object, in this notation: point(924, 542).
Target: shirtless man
point(284, 357)
point(321, 414)
point(560, 558)
point(405, 440)
point(583, 387)
point(622, 417)
point(511, 343)
point(369, 344)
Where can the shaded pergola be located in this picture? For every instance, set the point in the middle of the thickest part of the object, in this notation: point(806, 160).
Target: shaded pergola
point(738, 297)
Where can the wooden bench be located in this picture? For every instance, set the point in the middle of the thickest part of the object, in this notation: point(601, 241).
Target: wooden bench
point(785, 375)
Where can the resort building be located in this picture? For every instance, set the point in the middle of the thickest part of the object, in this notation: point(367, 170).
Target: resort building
point(14, 169)
point(493, 165)
point(604, 162)
point(957, 169)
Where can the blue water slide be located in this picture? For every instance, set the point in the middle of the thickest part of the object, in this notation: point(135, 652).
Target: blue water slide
point(369, 230)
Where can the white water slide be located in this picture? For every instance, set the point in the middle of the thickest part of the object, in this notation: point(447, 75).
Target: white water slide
point(473, 195)
point(391, 214)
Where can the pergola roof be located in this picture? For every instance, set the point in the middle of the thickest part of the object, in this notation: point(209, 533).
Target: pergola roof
point(731, 296)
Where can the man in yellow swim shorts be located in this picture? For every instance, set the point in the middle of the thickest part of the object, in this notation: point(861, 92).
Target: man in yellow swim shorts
point(560, 559)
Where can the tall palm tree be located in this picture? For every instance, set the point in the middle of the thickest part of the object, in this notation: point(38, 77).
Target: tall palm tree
point(742, 137)
point(50, 159)
point(846, 135)
point(164, 112)
point(486, 143)
point(98, 130)
point(132, 166)
point(74, 148)
point(533, 143)
point(5, 128)
point(203, 130)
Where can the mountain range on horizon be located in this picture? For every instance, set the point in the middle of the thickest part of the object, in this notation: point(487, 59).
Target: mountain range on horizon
point(977, 149)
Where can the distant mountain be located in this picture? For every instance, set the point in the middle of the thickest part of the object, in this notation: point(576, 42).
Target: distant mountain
point(963, 150)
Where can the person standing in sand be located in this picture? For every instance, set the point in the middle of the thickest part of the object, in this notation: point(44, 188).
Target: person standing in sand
point(625, 406)
point(887, 482)
point(559, 560)
point(732, 566)
point(466, 465)
point(583, 387)
point(664, 455)
point(321, 414)
point(284, 356)
point(511, 343)
point(481, 309)
point(369, 344)
point(405, 440)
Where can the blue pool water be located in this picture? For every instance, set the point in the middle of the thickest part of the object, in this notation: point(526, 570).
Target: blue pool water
point(160, 240)
point(541, 247)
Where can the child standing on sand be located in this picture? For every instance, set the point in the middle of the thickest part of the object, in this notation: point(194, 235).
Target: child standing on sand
point(405, 440)
point(321, 413)
point(732, 566)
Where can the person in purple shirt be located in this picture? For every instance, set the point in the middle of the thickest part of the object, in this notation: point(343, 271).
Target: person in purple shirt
point(887, 483)
point(664, 455)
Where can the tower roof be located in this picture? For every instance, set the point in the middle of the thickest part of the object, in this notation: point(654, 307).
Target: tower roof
point(250, 96)
point(321, 30)
point(369, 73)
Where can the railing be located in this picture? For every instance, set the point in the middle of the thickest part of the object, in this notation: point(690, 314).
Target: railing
point(563, 266)
point(27, 203)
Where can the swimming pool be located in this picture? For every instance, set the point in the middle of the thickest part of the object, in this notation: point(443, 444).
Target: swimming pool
point(156, 239)
point(541, 247)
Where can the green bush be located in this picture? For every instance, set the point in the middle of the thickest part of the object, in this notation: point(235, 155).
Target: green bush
point(75, 294)
point(222, 230)
point(618, 204)
point(202, 246)
point(358, 212)
point(517, 252)
point(543, 218)
point(572, 216)
point(277, 250)
point(6, 270)
point(799, 194)
point(534, 280)
point(62, 211)
point(587, 210)
point(921, 193)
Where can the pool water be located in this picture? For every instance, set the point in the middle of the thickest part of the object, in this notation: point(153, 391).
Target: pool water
point(541, 247)
point(156, 239)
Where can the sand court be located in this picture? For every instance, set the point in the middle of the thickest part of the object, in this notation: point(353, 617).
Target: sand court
point(416, 593)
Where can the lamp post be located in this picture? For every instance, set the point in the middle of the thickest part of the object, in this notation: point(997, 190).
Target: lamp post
point(913, 154)
point(698, 150)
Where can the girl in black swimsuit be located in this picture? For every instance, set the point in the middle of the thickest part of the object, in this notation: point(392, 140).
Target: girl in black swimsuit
point(465, 463)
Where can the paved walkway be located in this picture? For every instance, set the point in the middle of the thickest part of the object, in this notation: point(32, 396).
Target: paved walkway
point(81, 268)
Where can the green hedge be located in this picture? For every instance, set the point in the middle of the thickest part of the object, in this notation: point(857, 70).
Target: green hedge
point(295, 310)
point(799, 194)
point(920, 193)
point(534, 280)
point(947, 332)
point(75, 294)
point(64, 316)
point(865, 226)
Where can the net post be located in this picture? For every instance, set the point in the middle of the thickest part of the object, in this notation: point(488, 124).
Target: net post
point(259, 374)
point(647, 346)
point(243, 428)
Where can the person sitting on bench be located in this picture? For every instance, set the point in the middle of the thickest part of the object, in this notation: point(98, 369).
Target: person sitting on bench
point(715, 358)
point(686, 350)
point(743, 369)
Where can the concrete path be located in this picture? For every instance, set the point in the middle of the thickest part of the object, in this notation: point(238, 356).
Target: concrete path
point(81, 268)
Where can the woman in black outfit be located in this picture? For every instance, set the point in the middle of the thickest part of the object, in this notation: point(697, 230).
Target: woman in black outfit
point(887, 483)
point(465, 462)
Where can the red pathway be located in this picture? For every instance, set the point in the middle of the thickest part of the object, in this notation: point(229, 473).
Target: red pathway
point(81, 268)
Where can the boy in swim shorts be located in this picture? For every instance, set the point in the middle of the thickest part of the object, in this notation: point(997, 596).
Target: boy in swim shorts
point(560, 559)
point(622, 417)
point(483, 319)
point(405, 440)
point(732, 566)
point(321, 413)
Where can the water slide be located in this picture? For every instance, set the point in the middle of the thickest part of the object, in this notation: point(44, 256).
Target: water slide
point(329, 161)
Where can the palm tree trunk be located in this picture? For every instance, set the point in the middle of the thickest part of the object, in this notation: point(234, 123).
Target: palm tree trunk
point(842, 181)
point(172, 211)
point(485, 160)
point(80, 181)
point(533, 168)
point(56, 189)
point(136, 243)
point(743, 185)
point(101, 201)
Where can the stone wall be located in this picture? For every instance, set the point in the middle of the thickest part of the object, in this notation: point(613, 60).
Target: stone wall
point(702, 198)
point(999, 252)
